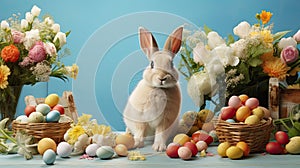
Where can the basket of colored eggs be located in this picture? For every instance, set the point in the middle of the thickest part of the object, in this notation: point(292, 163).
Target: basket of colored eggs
point(244, 120)
point(44, 120)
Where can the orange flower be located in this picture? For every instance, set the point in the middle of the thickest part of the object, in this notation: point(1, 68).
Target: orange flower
point(275, 68)
point(265, 16)
point(10, 53)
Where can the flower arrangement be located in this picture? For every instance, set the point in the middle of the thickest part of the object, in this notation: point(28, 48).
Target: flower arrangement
point(213, 64)
point(29, 50)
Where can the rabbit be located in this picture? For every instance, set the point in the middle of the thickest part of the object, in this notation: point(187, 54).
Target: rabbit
point(154, 105)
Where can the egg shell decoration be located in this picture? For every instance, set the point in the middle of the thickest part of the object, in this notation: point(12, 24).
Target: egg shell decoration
point(91, 149)
point(235, 102)
point(64, 149)
point(252, 103)
point(121, 150)
point(36, 117)
point(22, 119)
point(52, 100)
point(125, 139)
point(105, 152)
point(43, 108)
point(29, 109)
point(184, 153)
point(46, 143)
point(53, 116)
point(49, 157)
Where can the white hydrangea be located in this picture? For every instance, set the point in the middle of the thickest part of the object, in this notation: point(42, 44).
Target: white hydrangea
point(242, 29)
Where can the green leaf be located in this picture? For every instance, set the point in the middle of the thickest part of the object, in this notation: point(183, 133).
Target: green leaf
point(230, 39)
point(243, 69)
point(206, 29)
point(254, 61)
point(279, 35)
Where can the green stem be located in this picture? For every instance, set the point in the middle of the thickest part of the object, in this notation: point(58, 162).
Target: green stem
point(7, 136)
point(284, 124)
point(187, 65)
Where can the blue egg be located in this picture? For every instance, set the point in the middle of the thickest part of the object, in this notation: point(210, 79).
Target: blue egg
point(230, 120)
point(53, 116)
point(105, 152)
point(43, 108)
point(49, 157)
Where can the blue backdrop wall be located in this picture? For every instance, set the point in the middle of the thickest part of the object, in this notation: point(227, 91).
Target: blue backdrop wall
point(104, 42)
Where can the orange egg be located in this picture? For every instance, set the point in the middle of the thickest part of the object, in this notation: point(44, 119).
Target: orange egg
point(244, 146)
point(243, 98)
point(242, 113)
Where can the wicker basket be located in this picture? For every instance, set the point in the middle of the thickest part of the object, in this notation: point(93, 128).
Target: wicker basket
point(256, 135)
point(54, 131)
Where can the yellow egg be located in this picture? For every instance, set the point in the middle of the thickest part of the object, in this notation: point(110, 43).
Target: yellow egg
point(125, 139)
point(181, 139)
point(222, 147)
point(252, 119)
point(234, 152)
point(52, 100)
point(121, 150)
point(242, 113)
point(46, 143)
point(259, 112)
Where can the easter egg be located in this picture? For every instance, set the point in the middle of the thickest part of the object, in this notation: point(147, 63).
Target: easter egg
point(230, 120)
point(43, 108)
point(46, 143)
point(172, 150)
point(242, 113)
point(244, 146)
point(274, 148)
point(36, 117)
point(49, 157)
point(52, 100)
point(29, 109)
point(252, 119)
point(22, 119)
point(259, 112)
point(282, 137)
point(235, 102)
point(64, 149)
point(227, 112)
point(222, 147)
point(105, 152)
point(59, 108)
point(184, 153)
point(91, 149)
point(266, 112)
point(192, 147)
point(243, 98)
point(252, 103)
point(125, 139)
point(121, 150)
point(234, 152)
point(53, 116)
point(181, 139)
point(201, 145)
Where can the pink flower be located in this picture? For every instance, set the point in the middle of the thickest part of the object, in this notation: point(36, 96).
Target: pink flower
point(289, 54)
point(18, 37)
point(37, 53)
point(297, 36)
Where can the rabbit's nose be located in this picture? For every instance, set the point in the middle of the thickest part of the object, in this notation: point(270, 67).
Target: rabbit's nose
point(163, 79)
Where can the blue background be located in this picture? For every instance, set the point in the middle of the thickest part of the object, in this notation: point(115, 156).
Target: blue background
point(104, 42)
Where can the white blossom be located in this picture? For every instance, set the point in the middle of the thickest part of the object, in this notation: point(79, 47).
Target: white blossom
point(225, 55)
point(29, 17)
point(48, 21)
point(61, 37)
point(214, 40)
point(24, 24)
point(284, 42)
point(35, 11)
point(242, 29)
point(4, 24)
point(50, 48)
point(56, 28)
point(31, 37)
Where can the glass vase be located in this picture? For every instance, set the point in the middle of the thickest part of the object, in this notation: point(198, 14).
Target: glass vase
point(9, 98)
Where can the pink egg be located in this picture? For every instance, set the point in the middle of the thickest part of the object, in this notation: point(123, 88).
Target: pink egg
point(252, 103)
point(235, 102)
point(184, 153)
point(201, 145)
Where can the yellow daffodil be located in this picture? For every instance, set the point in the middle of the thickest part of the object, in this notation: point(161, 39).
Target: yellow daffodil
point(74, 133)
point(72, 71)
point(101, 129)
point(265, 16)
point(84, 119)
point(276, 68)
point(4, 73)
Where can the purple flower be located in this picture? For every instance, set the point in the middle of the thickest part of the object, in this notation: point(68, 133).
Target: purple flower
point(289, 54)
point(37, 53)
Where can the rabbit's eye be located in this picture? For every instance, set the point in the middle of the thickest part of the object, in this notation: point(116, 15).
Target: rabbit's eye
point(152, 64)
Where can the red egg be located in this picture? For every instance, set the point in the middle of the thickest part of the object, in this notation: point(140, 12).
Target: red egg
point(282, 137)
point(59, 108)
point(252, 103)
point(172, 150)
point(274, 148)
point(227, 112)
point(200, 136)
point(192, 147)
point(29, 109)
point(235, 102)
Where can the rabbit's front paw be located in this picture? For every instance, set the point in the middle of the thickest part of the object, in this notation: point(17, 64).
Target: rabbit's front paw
point(138, 142)
point(159, 147)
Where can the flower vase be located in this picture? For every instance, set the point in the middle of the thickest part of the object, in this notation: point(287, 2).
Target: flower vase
point(9, 99)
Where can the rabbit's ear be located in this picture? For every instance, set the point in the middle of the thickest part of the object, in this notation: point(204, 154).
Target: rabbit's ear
point(173, 42)
point(147, 42)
